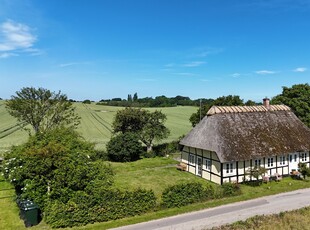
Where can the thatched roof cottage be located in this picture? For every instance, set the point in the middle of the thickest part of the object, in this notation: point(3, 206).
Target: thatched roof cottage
point(232, 139)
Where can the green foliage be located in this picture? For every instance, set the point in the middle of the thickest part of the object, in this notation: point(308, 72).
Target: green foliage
point(229, 100)
point(124, 147)
point(297, 98)
point(149, 126)
point(42, 109)
point(231, 189)
point(304, 169)
point(256, 172)
point(87, 101)
point(186, 193)
point(104, 205)
point(53, 165)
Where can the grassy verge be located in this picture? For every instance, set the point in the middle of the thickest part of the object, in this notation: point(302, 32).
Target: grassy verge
point(298, 219)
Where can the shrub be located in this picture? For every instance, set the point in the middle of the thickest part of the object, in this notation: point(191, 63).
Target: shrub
point(124, 147)
point(231, 189)
point(103, 205)
point(186, 193)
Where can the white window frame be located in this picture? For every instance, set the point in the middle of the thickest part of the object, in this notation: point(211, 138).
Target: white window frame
point(282, 160)
point(303, 157)
point(208, 164)
point(270, 162)
point(257, 162)
point(229, 168)
point(192, 159)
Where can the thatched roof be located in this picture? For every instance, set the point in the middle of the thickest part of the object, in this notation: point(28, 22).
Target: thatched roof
point(236, 134)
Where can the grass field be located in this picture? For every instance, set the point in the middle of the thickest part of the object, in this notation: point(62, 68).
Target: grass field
point(95, 124)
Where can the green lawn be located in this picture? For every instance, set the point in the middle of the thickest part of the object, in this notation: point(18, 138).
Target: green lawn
point(96, 121)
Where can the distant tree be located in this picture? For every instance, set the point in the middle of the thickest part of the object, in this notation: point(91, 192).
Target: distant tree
point(229, 100)
point(149, 126)
point(135, 97)
point(250, 103)
point(129, 98)
point(116, 99)
point(124, 147)
point(87, 101)
point(297, 98)
point(1, 99)
point(42, 109)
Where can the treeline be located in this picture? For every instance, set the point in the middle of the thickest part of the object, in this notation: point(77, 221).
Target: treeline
point(159, 101)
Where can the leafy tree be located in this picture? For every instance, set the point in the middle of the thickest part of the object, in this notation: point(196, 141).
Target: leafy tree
point(154, 129)
point(42, 109)
point(129, 98)
point(55, 165)
point(297, 98)
point(256, 172)
point(124, 147)
point(129, 120)
point(229, 100)
point(149, 126)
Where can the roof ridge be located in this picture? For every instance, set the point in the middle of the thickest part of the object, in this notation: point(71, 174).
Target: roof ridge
point(246, 109)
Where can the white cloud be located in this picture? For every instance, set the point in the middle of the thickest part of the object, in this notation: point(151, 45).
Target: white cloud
point(68, 64)
point(264, 72)
point(236, 75)
point(16, 37)
point(194, 64)
point(300, 69)
point(6, 55)
point(186, 74)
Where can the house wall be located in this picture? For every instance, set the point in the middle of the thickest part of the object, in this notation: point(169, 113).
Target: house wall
point(237, 171)
point(213, 173)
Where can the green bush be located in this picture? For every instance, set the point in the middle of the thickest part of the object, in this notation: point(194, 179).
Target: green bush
point(124, 147)
point(103, 205)
point(231, 189)
point(186, 193)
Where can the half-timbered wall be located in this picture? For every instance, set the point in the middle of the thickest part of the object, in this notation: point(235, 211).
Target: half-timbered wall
point(212, 169)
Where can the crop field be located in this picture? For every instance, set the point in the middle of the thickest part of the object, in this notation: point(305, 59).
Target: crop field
point(96, 122)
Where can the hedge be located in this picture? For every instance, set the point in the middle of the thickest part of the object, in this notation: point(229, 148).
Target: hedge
point(105, 205)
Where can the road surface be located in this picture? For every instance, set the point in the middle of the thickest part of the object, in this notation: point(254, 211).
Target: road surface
point(230, 213)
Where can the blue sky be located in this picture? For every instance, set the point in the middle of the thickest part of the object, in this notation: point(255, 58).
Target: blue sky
point(100, 49)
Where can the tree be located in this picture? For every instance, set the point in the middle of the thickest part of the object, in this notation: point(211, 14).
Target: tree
point(229, 100)
point(42, 109)
point(87, 101)
point(154, 129)
point(135, 97)
point(149, 126)
point(256, 172)
point(54, 165)
point(297, 98)
point(124, 147)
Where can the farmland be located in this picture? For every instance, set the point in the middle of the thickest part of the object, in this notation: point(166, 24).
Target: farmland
point(96, 122)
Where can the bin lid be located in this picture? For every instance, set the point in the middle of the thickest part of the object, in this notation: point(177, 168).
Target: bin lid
point(28, 205)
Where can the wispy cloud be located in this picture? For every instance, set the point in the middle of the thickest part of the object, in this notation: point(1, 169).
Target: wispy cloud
point(186, 74)
point(194, 64)
point(15, 37)
point(236, 75)
point(265, 72)
point(63, 65)
point(203, 52)
point(300, 69)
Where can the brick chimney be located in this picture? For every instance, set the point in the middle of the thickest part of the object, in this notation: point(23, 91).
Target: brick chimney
point(266, 103)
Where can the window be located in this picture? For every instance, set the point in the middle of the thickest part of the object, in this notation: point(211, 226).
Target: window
point(282, 160)
point(208, 164)
point(257, 163)
point(303, 157)
point(191, 158)
point(270, 162)
point(295, 157)
point(229, 168)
